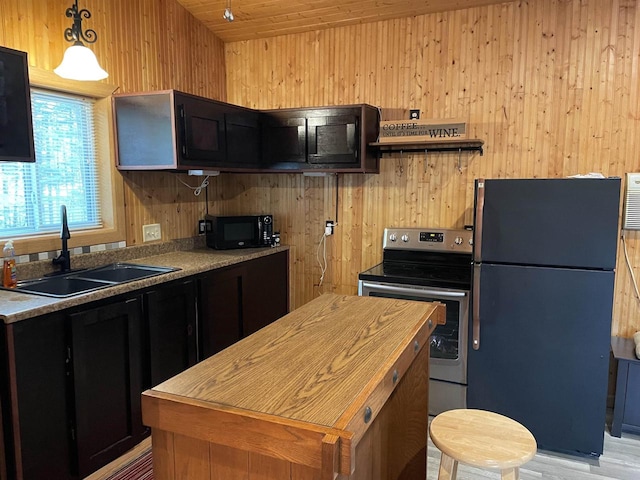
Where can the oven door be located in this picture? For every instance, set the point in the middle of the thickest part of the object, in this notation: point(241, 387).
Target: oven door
point(448, 360)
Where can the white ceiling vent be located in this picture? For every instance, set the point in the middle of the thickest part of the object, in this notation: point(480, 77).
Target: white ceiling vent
point(631, 216)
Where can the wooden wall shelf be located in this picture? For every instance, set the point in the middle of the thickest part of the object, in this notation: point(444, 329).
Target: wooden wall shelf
point(466, 144)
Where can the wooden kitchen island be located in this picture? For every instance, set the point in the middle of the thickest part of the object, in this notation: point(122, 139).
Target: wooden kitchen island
point(336, 389)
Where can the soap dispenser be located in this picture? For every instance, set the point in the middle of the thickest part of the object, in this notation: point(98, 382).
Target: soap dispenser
point(9, 275)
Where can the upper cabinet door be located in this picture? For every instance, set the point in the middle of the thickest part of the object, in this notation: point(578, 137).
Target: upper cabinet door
point(201, 127)
point(333, 138)
point(145, 131)
point(243, 137)
point(284, 139)
point(16, 128)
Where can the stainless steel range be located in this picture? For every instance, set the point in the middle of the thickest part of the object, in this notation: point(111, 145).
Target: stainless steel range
point(430, 264)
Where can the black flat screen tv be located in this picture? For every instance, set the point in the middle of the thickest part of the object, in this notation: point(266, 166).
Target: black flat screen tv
point(16, 128)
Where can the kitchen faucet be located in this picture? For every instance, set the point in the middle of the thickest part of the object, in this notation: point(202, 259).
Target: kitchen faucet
point(64, 259)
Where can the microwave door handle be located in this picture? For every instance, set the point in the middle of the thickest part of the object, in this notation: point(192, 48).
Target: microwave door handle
point(475, 339)
point(413, 291)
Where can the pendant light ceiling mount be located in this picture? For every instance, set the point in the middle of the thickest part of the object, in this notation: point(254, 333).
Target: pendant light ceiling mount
point(228, 14)
point(74, 33)
point(79, 63)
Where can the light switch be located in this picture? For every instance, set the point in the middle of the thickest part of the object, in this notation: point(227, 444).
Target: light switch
point(151, 232)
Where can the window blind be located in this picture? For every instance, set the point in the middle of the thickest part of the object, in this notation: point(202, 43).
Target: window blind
point(65, 171)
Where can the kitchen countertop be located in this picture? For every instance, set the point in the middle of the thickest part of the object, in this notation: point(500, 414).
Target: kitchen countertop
point(16, 306)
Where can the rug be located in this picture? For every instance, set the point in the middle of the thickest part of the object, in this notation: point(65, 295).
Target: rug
point(139, 469)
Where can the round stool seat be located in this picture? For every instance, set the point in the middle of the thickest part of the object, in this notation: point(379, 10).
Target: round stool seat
point(482, 439)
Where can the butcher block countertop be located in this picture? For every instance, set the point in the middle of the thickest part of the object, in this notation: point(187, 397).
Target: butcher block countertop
point(301, 387)
point(16, 306)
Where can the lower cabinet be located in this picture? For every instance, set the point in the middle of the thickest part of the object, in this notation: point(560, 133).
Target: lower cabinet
point(36, 380)
point(171, 329)
point(106, 370)
point(72, 381)
point(74, 389)
point(241, 299)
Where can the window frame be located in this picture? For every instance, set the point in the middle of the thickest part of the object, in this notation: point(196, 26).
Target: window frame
point(111, 182)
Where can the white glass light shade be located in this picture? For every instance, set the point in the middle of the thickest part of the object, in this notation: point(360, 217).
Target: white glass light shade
point(80, 63)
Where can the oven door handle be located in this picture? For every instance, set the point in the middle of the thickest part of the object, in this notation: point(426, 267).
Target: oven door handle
point(414, 291)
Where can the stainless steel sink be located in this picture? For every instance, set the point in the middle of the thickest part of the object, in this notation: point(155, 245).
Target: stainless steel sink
point(60, 286)
point(89, 280)
point(123, 272)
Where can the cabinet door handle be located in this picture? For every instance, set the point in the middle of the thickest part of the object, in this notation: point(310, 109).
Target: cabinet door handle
point(183, 128)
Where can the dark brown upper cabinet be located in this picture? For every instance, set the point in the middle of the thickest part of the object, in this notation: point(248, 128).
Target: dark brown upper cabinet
point(284, 139)
point(243, 137)
point(16, 128)
point(333, 138)
point(201, 131)
point(322, 139)
point(170, 130)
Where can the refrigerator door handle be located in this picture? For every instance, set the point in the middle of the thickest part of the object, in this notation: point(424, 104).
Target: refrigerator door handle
point(475, 325)
point(477, 228)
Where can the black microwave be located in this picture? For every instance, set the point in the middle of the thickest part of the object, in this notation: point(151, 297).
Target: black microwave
point(246, 231)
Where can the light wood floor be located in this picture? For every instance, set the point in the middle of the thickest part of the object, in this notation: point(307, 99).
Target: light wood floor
point(620, 461)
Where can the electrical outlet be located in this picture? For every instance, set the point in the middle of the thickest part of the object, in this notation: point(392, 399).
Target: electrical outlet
point(151, 233)
point(204, 226)
point(328, 227)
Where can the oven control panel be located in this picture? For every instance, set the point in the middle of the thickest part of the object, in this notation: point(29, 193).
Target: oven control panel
point(432, 237)
point(450, 240)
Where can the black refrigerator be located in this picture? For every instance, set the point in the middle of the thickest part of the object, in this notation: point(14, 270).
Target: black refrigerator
point(544, 257)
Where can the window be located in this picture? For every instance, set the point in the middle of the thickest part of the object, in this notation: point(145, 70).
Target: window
point(65, 171)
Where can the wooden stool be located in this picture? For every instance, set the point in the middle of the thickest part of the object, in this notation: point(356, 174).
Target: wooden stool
point(482, 439)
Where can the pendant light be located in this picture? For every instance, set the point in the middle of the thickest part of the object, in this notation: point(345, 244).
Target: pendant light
point(79, 63)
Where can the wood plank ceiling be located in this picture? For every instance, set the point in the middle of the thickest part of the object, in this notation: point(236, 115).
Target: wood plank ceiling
point(260, 18)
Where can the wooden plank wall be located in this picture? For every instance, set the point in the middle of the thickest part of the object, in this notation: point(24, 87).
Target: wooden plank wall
point(144, 45)
point(551, 86)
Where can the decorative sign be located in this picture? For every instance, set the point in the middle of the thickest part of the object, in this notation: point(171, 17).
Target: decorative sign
point(406, 131)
